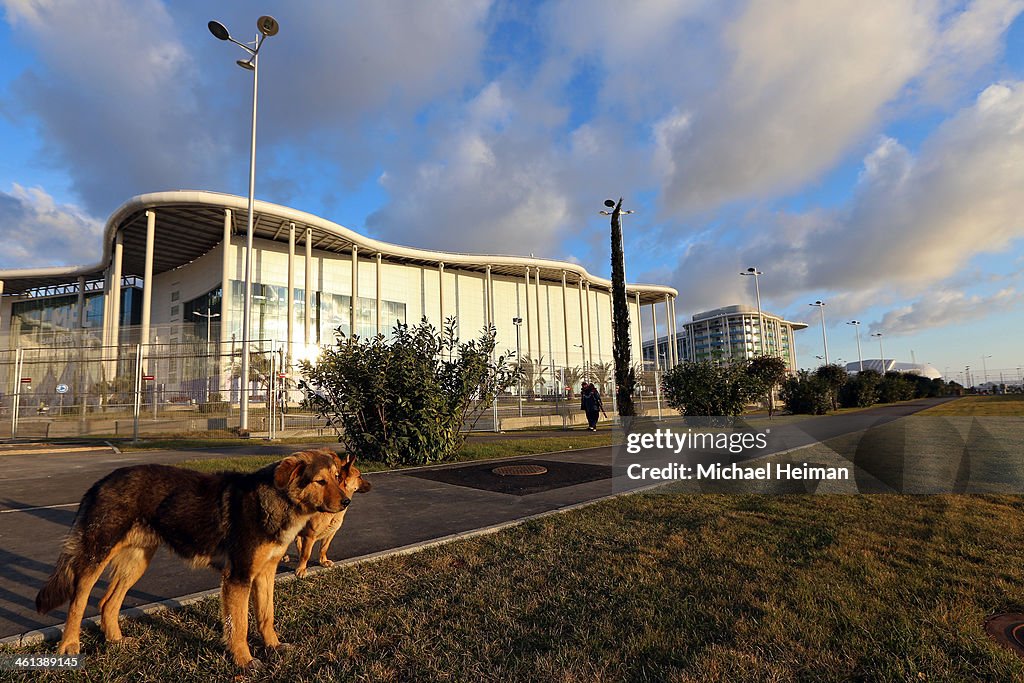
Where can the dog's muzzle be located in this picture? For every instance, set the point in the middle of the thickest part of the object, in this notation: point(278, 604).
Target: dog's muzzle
point(345, 502)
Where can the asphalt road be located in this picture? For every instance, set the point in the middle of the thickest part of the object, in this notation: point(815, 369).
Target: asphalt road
point(39, 494)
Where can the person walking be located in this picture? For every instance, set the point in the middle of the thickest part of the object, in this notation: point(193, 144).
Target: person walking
point(590, 403)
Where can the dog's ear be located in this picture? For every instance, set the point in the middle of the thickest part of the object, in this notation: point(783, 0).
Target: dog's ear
point(286, 470)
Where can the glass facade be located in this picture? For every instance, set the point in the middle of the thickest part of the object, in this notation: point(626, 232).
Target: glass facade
point(270, 312)
point(41, 322)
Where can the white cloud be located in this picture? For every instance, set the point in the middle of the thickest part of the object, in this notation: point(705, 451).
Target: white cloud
point(37, 231)
point(809, 80)
point(942, 307)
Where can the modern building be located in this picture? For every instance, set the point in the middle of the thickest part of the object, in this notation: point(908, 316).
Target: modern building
point(728, 333)
point(177, 260)
point(891, 365)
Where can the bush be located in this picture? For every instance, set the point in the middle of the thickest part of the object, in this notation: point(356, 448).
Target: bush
point(806, 394)
point(860, 390)
point(405, 402)
point(704, 388)
point(895, 386)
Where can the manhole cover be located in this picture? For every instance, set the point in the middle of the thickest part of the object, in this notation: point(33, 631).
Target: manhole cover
point(519, 470)
point(1007, 630)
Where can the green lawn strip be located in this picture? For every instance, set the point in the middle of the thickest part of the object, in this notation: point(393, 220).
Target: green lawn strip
point(1008, 405)
point(644, 587)
point(483, 450)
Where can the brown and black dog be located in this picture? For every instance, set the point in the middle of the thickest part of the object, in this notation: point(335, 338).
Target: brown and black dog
point(239, 524)
point(324, 525)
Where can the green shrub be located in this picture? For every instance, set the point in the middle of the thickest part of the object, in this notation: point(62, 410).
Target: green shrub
point(860, 390)
point(806, 393)
point(405, 401)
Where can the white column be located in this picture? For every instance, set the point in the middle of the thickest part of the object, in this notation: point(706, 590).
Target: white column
point(675, 332)
point(147, 278)
point(536, 295)
point(490, 298)
point(307, 317)
point(654, 326)
point(290, 305)
point(354, 299)
point(639, 331)
point(380, 300)
point(115, 289)
point(590, 337)
point(440, 293)
point(225, 285)
point(529, 328)
point(669, 356)
point(583, 327)
point(487, 297)
point(565, 319)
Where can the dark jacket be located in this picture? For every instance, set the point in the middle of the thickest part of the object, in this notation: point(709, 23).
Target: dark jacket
point(591, 400)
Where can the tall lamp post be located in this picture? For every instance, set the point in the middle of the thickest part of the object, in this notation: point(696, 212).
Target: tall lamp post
point(267, 26)
point(984, 370)
point(881, 353)
point(518, 322)
point(824, 339)
point(760, 316)
point(860, 358)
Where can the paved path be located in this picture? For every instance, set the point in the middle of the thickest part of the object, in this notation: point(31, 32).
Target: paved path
point(39, 496)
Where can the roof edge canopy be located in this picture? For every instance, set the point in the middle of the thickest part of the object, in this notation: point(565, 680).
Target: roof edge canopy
point(197, 216)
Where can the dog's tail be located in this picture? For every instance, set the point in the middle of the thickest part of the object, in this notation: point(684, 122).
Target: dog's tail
point(60, 586)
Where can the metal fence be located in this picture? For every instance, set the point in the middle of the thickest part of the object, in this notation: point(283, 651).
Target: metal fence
point(194, 387)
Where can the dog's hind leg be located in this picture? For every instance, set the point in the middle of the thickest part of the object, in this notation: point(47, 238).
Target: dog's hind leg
point(84, 580)
point(127, 567)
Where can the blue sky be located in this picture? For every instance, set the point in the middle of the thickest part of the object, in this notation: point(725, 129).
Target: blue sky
point(868, 154)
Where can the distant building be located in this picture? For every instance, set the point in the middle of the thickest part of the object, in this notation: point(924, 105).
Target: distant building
point(891, 365)
point(730, 333)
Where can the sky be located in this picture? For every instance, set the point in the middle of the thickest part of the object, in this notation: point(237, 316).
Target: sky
point(869, 154)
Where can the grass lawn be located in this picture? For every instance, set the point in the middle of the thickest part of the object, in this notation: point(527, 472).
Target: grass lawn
point(473, 450)
point(1008, 405)
point(647, 588)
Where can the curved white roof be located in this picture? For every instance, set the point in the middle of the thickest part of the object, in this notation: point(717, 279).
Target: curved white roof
point(191, 222)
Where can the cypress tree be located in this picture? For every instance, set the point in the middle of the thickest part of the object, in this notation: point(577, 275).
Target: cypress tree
point(625, 375)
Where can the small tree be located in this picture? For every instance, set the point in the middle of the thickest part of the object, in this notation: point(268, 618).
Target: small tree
point(572, 377)
point(601, 374)
point(834, 377)
point(533, 372)
point(767, 372)
point(407, 400)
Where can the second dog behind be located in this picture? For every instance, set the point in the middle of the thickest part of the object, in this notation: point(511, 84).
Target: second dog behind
point(322, 527)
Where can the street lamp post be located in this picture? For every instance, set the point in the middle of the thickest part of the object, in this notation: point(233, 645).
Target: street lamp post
point(760, 316)
point(824, 339)
point(860, 358)
point(267, 26)
point(881, 353)
point(984, 370)
point(518, 322)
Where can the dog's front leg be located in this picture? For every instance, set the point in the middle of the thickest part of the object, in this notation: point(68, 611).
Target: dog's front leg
point(263, 601)
point(234, 598)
